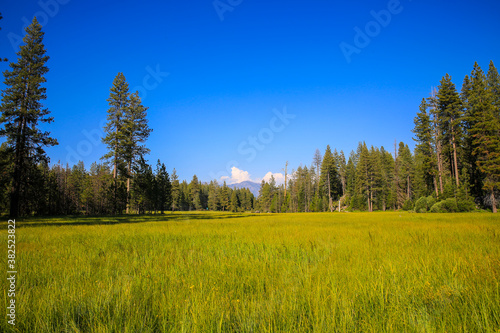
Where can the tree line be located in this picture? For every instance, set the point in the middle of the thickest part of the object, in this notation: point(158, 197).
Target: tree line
point(455, 165)
point(122, 182)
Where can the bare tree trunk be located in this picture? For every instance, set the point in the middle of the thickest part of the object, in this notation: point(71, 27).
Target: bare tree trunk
point(408, 190)
point(493, 201)
point(128, 187)
point(371, 200)
point(455, 159)
point(330, 204)
point(437, 134)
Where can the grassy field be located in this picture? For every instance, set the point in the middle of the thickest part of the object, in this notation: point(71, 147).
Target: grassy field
point(213, 272)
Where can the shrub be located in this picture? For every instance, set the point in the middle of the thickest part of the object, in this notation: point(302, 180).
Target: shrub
point(421, 205)
point(430, 202)
point(466, 205)
point(445, 206)
point(424, 204)
point(408, 205)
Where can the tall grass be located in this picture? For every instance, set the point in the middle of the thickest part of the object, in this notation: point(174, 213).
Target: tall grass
point(209, 272)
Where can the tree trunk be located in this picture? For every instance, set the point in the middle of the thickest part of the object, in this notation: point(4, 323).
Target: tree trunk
point(128, 188)
point(371, 200)
point(440, 166)
point(493, 201)
point(330, 204)
point(435, 186)
point(408, 191)
point(455, 158)
point(18, 170)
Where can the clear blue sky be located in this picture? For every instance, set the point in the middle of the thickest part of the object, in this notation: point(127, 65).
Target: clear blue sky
point(226, 76)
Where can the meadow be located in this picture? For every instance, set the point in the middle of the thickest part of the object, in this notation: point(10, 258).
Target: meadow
point(223, 272)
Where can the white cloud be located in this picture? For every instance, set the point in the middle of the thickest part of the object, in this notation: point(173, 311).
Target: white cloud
point(278, 177)
point(237, 176)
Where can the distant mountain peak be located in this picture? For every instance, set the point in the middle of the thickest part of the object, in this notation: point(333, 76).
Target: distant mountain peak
point(252, 186)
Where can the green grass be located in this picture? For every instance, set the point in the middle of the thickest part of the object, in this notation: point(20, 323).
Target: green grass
point(213, 272)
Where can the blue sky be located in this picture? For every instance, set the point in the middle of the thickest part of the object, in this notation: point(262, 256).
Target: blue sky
point(250, 84)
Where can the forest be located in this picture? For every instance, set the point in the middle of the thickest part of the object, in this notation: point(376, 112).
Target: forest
point(455, 166)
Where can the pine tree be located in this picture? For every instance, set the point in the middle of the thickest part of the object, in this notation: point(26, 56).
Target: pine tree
point(194, 193)
point(115, 135)
point(387, 170)
point(176, 195)
point(317, 159)
point(142, 186)
point(342, 172)
point(213, 201)
point(494, 87)
point(22, 111)
point(136, 132)
point(484, 128)
point(224, 197)
point(363, 176)
point(405, 171)
point(163, 188)
point(329, 179)
point(425, 146)
point(449, 120)
point(235, 202)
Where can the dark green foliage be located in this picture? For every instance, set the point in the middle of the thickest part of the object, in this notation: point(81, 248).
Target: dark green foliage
point(330, 184)
point(466, 205)
point(162, 189)
point(421, 205)
point(142, 188)
point(23, 113)
point(424, 204)
point(445, 206)
point(485, 131)
point(408, 205)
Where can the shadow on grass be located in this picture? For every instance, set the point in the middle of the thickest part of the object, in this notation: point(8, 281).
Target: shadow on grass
point(121, 219)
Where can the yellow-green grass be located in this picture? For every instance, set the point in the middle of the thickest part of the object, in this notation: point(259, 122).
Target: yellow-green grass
point(214, 272)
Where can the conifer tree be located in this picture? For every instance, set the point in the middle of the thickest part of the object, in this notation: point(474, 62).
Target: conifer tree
point(142, 187)
point(484, 128)
point(425, 146)
point(405, 171)
point(176, 195)
point(329, 180)
point(224, 197)
point(116, 136)
point(235, 203)
point(23, 111)
point(317, 159)
point(136, 132)
point(494, 88)
point(194, 193)
point(163, 188)
point(363, 176)
point(449, 120)
point(213, 202)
